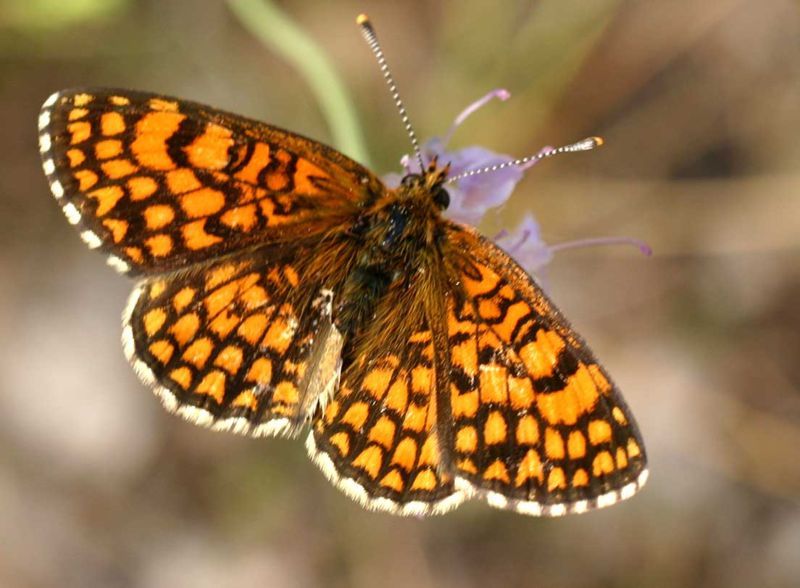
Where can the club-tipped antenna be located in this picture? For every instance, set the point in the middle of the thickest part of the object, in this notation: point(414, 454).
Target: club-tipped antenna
point(586, 144)
point(372, 40)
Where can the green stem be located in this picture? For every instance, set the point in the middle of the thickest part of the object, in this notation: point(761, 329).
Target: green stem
point(276, 30)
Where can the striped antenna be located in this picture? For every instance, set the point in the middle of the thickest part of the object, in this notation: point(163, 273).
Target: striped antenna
point(372, 40)
point(585, 145)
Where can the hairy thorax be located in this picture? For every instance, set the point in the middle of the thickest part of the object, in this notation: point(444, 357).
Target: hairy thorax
point(399, 234)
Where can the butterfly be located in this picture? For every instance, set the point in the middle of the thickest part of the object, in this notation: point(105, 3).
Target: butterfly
point(282, 286)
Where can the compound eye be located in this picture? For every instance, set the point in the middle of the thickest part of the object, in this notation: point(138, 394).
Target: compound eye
point(441, 198)
point(409, 180)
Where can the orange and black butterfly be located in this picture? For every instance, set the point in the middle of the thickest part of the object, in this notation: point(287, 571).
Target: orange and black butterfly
point(282, 285)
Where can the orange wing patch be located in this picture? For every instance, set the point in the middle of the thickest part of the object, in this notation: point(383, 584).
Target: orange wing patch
point(195, 183)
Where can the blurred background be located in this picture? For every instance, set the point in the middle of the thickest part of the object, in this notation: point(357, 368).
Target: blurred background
point(698, 103)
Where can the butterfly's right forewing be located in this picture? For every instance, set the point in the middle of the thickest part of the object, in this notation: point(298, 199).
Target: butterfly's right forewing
point(539, 425)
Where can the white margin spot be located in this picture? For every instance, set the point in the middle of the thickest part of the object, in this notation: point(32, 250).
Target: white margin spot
point(91, 239)
point(354, 490)
point(44, 143)
point(167, 398)
point(128, 347)
point(580, 507)
point(198, 416)
point(529, 507)
point(144, 372)
point(415, 508)
point(129, 306)
point(627, 491)
point(44, 119)
point(238, 425)
point(464, 485)
point(50, 100)
point(57, 189)
point(607, 499)
point(49, 167)
point(449, 503)
point(384, 505)
point(496, 500)
point(73, 216)
point(273, 428)
point(118, 264)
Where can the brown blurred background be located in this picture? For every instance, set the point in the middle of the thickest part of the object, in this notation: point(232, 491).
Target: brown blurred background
point(698, 103)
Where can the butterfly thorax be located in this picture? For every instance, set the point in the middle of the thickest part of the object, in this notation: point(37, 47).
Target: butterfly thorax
point(397, 235)
point(404, 220)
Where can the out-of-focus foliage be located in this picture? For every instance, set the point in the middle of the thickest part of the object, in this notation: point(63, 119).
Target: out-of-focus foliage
point(40, 16)
point(279, 33)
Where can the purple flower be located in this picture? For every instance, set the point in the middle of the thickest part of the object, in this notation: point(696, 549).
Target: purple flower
point(525, 245)
point(472, 196)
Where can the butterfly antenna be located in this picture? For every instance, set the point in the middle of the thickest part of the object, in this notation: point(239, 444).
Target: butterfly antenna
point(584, 145)
point(372, 40)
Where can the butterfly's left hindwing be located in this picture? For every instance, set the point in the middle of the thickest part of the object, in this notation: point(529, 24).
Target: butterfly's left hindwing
point(160, 183)
point(538, 425)
point(236, 344)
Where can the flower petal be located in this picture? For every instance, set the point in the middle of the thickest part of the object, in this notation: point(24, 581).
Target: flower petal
point(525, 245)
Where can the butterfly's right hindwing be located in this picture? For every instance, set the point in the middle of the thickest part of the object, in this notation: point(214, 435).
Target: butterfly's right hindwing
point(378, 440)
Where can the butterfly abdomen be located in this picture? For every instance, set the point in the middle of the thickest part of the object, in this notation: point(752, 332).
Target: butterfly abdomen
point(393, 238)
point(364, 287)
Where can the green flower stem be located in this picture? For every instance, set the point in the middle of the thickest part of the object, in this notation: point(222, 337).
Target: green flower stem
point(277, 31)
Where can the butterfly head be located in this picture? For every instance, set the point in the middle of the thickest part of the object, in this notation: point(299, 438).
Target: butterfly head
point(429, 184)
point(408, 216)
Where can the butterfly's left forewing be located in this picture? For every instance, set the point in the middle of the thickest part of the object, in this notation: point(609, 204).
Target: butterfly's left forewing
point(160, 183)
point(538, 425)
